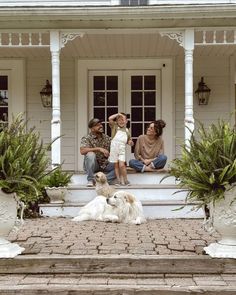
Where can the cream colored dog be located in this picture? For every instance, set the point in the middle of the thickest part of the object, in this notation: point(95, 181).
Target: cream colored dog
point(102, 187)
point(127, 208)
point(121, 207)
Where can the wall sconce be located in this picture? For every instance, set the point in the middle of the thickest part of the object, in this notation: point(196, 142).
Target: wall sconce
point(202, 93)
point(46, 95)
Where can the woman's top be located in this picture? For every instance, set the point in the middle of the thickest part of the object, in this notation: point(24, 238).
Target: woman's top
point(148, 148)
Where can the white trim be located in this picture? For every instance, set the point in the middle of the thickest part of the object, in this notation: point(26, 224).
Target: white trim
point(17, 85)
point(232, 89)
point(167, 86)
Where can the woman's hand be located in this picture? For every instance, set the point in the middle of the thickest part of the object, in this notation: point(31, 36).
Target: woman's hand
point(147, 161)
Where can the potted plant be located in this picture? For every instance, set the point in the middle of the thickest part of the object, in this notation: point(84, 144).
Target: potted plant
point(207, 169)
point(56, 184)
point(23, 163)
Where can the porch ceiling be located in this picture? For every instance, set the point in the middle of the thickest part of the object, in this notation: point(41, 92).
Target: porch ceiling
point(118, 46)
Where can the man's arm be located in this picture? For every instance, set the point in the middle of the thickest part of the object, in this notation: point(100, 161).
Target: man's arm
point(85, 150)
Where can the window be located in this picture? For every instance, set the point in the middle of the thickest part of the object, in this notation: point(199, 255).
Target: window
point(133, 2)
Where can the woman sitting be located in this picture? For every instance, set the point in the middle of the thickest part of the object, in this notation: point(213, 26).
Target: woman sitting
point(149, 149)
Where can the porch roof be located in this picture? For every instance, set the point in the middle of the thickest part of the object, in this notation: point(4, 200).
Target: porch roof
point(76, 17)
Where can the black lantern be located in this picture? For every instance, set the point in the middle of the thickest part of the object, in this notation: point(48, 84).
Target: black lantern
point(46, 95)
point(203, 93)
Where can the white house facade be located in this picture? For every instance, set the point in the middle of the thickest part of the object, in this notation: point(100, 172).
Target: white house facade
point(144, 58)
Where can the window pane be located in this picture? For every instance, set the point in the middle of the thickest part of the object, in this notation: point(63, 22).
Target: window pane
point(136, 83)
point(112, 98)
point(108, 129)
point(99, 113)
point(112, 83)
point(149, 82)
point(149, 114)
point(136, 98)
point(132, 148)
point(99, 83)
point(3, 82)
point(99, 99)
point(149, 98)
point(136, 129)
point(136, 114)
point(111, 111)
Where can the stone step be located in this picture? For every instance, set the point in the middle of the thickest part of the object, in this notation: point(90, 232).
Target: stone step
point(115, 284)
point(152, 209)
point(117, 264)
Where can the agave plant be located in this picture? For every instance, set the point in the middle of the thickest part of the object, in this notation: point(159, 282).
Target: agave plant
point(23, 160)
point(207, 166)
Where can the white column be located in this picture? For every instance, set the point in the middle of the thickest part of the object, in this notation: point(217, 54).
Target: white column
point(56, 107)
point(189, 47)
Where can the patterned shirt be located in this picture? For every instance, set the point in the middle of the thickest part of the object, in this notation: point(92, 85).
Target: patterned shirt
point(92, 141)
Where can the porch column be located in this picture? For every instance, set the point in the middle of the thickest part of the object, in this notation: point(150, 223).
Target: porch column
point(188, 47)
point(56, 107)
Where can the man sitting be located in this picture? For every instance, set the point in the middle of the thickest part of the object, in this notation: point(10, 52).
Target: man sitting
point(95, 148)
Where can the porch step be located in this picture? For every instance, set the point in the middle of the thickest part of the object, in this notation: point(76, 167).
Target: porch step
point(116, 275)
point(152, 209)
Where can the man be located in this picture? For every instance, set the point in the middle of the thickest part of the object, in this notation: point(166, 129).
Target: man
point(95, 148)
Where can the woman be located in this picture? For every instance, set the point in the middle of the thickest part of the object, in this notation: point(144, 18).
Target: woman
point(149, 149)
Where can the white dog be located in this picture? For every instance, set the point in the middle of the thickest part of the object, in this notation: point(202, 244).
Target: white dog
point(102, 187)
point(121, 207)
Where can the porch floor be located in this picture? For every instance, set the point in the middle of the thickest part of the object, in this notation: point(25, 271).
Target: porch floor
point(159, 257)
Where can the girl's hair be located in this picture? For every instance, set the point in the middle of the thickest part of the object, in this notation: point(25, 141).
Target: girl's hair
point(158, 126)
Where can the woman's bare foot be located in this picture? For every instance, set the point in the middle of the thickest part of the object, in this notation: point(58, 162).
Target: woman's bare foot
point(149, 169)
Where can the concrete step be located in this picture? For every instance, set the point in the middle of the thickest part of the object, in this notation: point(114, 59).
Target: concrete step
point(152, 209)
point(134, 178)
point(115, 284)
point(143, 192)
point(117, 264)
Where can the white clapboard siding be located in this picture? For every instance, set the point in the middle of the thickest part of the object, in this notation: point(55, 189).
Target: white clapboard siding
point(216, 73)
point(38, 71)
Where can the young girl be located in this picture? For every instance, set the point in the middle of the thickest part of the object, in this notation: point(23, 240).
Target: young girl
point(120, 137)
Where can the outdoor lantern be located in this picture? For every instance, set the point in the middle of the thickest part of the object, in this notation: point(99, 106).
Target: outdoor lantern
point(202, 93)
point(46, 95)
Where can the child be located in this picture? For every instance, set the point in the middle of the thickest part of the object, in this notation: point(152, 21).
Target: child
point(120, 137)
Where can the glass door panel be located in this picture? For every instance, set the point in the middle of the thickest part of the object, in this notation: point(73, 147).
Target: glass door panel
point(4, 112)
point(105, 88)
point(143, 100)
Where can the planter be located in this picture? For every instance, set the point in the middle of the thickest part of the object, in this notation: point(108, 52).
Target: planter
point(223, 217)
point(56, 194)
point(8, 217)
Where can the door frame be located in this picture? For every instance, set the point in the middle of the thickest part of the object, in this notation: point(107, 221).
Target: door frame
point(15, 69)
point(165, 65)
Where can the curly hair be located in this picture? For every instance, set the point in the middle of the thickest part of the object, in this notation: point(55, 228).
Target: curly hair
point(158, 126)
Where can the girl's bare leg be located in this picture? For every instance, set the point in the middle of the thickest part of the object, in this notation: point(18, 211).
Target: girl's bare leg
point(123, 172)
point(117, 171)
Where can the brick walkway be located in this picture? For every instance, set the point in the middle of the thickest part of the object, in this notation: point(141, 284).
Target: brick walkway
point(156, 237)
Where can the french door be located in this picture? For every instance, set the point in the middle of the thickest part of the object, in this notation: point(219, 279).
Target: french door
point(4, 98)
point(135, 92)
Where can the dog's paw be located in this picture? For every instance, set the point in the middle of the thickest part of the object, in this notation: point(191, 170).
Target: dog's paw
point(111, 218)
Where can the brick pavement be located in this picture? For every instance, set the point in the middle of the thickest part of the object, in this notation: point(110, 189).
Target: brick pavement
point(156, 237)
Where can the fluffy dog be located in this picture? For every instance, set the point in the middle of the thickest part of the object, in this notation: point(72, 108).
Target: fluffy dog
point(127, 208)
point(97, 209)
point(102, 187)
point(121, 207)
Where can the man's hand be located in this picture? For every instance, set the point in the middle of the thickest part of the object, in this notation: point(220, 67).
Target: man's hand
point(147, 161)
point(104, 152)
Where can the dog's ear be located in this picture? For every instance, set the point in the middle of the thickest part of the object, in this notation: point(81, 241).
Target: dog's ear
point(130, 198)
point(103, 178)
